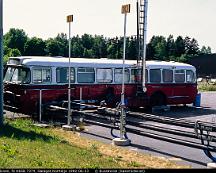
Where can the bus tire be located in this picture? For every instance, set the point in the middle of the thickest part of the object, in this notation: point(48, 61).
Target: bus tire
point(157, 99)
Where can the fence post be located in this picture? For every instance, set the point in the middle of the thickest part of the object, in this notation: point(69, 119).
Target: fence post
point(80, 98)
point(40, 105)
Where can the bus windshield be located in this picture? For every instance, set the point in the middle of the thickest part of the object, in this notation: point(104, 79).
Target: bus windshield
point(17, 75)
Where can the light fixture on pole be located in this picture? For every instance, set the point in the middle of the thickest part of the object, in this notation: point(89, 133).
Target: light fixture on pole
point(1, 62)
point(69, 20)
point(123, 141)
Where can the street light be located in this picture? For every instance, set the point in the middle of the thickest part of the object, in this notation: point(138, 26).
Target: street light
point(122, 141)
point(1, 62)
point(69, 20)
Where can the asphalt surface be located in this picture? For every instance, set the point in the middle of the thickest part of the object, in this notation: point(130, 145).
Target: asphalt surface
point(177, 153)
point(180, 154)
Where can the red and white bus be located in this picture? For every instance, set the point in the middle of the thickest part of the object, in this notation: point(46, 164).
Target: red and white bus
point(167, 83)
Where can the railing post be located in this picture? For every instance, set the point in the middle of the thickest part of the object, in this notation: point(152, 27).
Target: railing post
point(80, 98)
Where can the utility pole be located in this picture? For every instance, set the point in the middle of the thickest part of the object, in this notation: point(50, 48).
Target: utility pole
point(144, 46)
point(142, 7)
point(1, 62)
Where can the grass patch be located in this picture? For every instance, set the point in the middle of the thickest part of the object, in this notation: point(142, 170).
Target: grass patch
point(204, 86)
point(23, 145)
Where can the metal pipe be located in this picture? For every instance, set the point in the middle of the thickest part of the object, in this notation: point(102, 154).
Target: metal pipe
point(40, 105)
point(1, 63)
point(80, 98)
point(123, 64)
point(69, 79)
point(122, 118)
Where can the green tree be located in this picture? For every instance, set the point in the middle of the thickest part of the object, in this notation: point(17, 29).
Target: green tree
point(205, 50)
point(111, 51)
point(77, 49)
point(158, 43)
point(10, 53)
point(15, 39)
point(63, 41)
point(35, 46)
point(99, 47)
point(132, 48)
point(179, 46)
point(88, 53)
point(87, 41)
point(54, 47)
point(170, 46)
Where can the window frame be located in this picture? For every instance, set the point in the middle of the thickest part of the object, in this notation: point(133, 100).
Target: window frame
point(127, 82)
point(179, 73)
point(74, 70)
point(194, 75)
point(41, 68)
point(104, 69)
point(159, 69)
point(163, 75)
point(78, 68)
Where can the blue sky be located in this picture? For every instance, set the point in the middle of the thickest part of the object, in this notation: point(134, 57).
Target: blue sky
point(47, 18)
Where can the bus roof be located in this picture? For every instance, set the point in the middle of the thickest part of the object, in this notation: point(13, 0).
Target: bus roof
point(90, 62)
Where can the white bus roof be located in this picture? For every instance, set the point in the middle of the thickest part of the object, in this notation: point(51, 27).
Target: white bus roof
point(84, 62)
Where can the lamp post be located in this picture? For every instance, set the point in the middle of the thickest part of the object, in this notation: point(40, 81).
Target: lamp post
point(122, 140)
point(1, 62)
point(69, 20)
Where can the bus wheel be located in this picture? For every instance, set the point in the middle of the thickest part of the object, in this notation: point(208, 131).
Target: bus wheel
point(157, 99)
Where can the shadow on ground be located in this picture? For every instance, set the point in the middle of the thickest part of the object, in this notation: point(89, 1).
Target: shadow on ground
point(15, 133)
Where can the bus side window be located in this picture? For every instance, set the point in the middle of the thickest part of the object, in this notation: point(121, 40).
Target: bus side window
point(119, 76)
point(62, 75)
point(190, 76)
point(42, 75)
point(85, 75)
point(167, 76)
point(155, 75)
point(179, 76)
point(104, 75)
point(136, 75)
